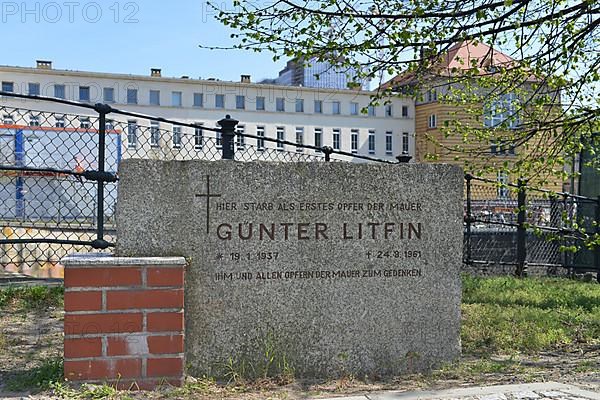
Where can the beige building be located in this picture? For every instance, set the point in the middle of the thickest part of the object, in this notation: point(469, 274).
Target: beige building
point(498, 122)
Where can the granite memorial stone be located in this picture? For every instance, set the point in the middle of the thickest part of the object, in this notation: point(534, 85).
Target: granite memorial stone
point(318, 269)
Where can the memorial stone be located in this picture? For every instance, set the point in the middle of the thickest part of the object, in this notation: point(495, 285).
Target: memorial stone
point(315, 269)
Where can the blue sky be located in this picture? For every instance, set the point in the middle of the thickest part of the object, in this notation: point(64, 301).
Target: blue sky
point(126, 37)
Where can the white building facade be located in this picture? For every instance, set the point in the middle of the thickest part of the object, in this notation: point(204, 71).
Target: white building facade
point(308, 116)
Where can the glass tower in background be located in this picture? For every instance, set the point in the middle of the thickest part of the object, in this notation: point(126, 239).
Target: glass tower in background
point(318, 74)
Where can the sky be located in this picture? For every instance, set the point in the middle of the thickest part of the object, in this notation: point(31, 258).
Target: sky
point(126, 37)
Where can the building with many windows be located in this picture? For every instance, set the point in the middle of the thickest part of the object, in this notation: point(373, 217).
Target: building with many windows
point(311, 116)
point(500, 117)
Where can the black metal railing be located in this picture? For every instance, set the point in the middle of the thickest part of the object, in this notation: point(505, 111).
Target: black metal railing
point(58, 185)
point(58, 169)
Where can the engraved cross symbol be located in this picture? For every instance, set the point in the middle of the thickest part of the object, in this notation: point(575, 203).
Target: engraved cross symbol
point(208, 195)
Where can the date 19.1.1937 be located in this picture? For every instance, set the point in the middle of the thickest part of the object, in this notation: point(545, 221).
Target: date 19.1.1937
point(258, 256)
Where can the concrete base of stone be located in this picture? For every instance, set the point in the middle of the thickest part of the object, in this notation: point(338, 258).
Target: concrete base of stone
point(124, 320)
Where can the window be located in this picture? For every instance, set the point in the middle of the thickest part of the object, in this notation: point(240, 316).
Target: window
point(337, 107)
point(354, 140)
point(336, 138)
point(280, 104)
point(241, 140)
point(371, 142)
point(240, 102)
point(155, 97)
point(154, 134)
point(34, 89)
point(502, 147)
point(8, 87)
point(318, 107)
point(280, 136)
point(405, 143)
point(404, 111)
point(132, 134)
point(108, 95)
point(34, 120)
point(132, 96)
point(84, 93)
point(198, 136)
point(59, 121)
point(371, 111)
point(432, 123)
point(432, 95)
point(198, 100)
point(299, 105)
point(84, 122)
point(502, 180)
point(318, 138)
point(176, 137)
point(353, 108)
point(502, 111)
point(59, 91)
point(260, 103)
point(389, 144)
point(219, 101)
point(177, 99)
point(389, 110)
point(260, 132)
point(299, 139)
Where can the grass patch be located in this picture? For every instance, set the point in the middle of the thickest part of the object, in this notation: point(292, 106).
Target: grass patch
point(587, 366)
point(506, 315)
point(87, 391)
point(31, 298)
point(539, 293)
point(38, 379)
point(3, 343)
point(475, 368)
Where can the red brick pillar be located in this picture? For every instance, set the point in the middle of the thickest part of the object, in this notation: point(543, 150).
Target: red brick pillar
point(124, 320)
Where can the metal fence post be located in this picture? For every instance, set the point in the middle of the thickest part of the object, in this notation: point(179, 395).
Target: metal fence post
point(562, 225)
point(521, 230)
point(327, 151)
point(597, 249)
point(228, 125)
point(19, 180)
point(468, 218)
point(102, 110)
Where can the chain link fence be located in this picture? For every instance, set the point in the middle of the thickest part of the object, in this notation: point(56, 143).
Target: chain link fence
point(58, 187)
point(58, 171)
point(517, 229)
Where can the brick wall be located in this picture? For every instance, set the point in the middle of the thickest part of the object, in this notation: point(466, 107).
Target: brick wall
point(124, 320)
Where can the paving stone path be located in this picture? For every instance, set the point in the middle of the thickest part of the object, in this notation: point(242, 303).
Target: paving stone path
point(534, 391)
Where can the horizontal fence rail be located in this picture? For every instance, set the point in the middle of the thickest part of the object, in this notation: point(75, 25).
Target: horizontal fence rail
point(59, 172)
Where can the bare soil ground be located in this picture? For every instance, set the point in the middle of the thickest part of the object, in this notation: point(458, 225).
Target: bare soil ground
point(29, 339)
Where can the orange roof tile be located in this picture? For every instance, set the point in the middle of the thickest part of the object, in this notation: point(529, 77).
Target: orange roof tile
point(462, 56)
